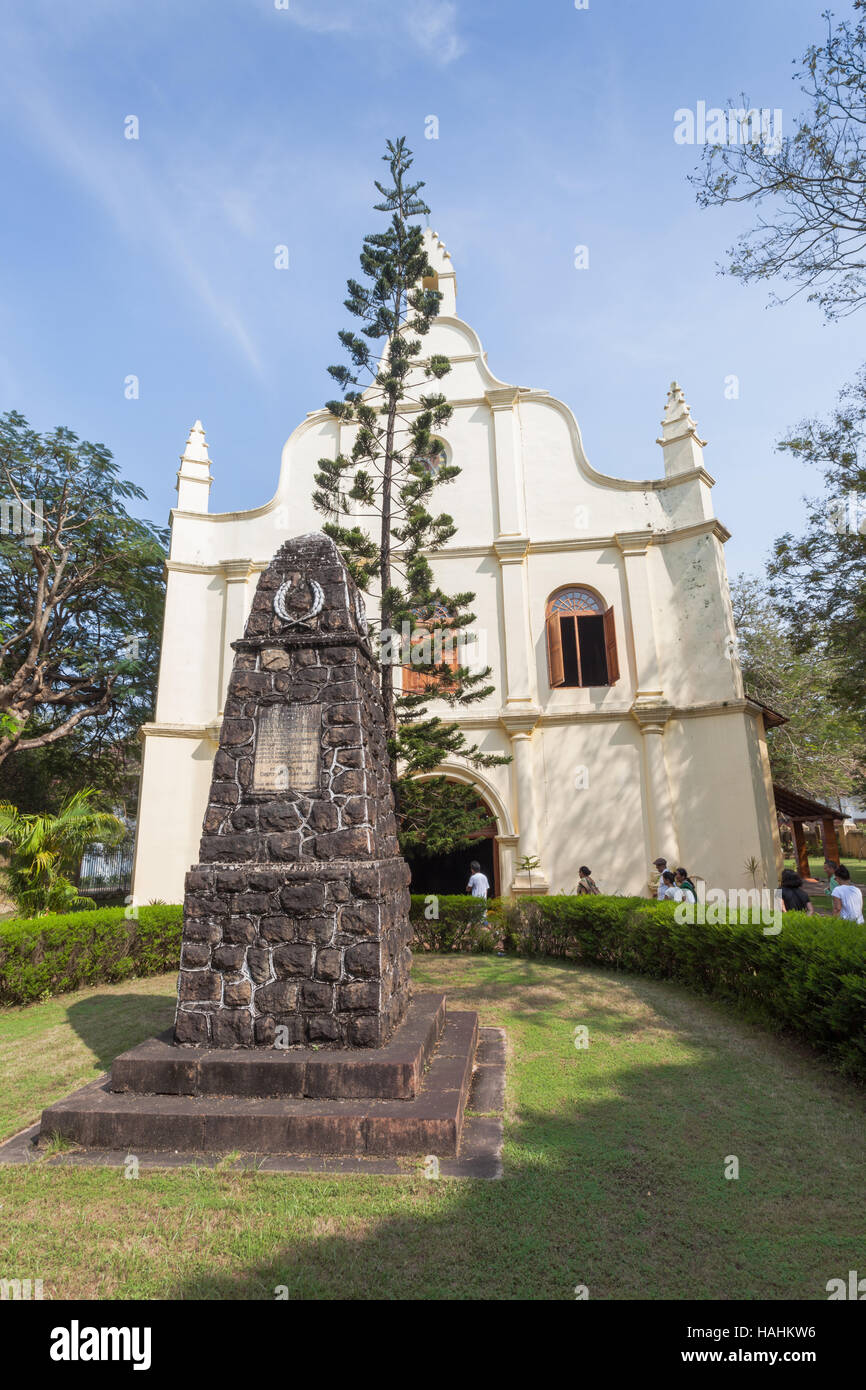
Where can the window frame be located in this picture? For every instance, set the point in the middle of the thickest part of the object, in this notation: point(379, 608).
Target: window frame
point(553, 632)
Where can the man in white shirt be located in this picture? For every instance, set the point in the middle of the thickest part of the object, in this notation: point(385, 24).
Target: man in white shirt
point(660, 865)
point(478, 885)
point(846, 897)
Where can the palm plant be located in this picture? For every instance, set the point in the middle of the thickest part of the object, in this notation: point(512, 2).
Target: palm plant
point(752, 866)
point(45, 849)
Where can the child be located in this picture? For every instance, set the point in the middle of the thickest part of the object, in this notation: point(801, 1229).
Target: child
point(668, 888)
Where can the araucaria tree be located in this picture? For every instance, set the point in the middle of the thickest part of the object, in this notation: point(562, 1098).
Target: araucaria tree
point(387, 482)
point(80, 592)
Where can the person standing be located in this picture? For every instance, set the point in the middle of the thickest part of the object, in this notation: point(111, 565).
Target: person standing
point(684, 883)
point(655, 883)
point(794, 896)
point(669, 888)
point(479, 887)
point(846, 897)
point(479, 884)
point(586, 883)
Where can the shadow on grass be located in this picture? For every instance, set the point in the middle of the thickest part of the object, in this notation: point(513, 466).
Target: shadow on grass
point(111, 1023)
point(615, 1179)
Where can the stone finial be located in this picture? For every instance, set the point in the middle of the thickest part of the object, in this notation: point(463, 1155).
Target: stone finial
point(196, 445)
point(194, 475)
point(446, 280)
point(682, 445)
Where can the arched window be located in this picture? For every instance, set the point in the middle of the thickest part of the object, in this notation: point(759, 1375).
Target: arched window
point(581, 639)
point(435, 459)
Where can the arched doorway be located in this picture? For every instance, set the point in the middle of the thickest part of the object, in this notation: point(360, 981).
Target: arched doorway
point(449, 873)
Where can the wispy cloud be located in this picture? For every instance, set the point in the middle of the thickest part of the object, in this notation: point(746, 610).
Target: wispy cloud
point(430, 25)
point(146, 209)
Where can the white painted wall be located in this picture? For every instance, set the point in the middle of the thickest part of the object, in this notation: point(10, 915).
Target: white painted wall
point(672, 750)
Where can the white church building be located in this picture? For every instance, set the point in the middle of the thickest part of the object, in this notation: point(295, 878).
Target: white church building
point(605, 608)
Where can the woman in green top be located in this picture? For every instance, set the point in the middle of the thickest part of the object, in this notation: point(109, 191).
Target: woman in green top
point(684, 882)
point(830, 870)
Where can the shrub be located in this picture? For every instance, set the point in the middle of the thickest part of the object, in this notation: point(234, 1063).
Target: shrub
point(809, 980)
point(45, 849)
point(42, 956)
point(458, 925)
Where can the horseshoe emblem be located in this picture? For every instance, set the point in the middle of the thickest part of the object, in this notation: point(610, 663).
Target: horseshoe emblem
point(316, 593)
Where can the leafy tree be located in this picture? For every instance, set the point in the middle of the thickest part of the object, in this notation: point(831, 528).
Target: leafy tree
point(813, 237)
point(818, 751)
point(45, 849)
point(81, 594)
point(812, 182)
point(818, 578)
point(389, 479)
point(102, 752)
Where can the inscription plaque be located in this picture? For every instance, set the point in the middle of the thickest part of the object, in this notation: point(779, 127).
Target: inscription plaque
point(288, 749)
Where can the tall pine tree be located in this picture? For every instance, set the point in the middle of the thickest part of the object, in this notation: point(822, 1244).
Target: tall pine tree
point(389, 478)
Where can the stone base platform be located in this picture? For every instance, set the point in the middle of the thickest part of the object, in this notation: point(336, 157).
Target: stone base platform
point(292, 1102)
point(392, 1072)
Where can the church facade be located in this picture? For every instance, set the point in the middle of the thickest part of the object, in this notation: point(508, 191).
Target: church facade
point(602, 608)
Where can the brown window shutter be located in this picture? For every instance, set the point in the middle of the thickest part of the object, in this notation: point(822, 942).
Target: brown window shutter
point(610, 647)
point(554, 651)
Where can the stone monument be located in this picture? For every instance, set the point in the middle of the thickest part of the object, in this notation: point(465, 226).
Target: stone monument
point(294, 1032)
point(297, 916)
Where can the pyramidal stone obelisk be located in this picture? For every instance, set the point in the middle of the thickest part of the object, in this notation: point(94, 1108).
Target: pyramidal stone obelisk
point(296, 918)
point(294, 1033)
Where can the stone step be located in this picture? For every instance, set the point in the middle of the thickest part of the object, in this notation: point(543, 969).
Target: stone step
point(392, 1072)
point(431, 1123)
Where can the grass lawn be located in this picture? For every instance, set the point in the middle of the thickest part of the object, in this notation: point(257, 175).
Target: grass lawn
point(615, 1160)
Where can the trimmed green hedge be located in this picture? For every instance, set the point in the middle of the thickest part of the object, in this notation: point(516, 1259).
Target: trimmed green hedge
point(41, 956)
point(458, 924)
point(809, 980)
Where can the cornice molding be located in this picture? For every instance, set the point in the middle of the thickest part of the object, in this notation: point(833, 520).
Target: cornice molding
point(516, 547)
point(198, 731)
point(509, 720)
point(184, 567)
point(633, 542)
point(509, 549)
point(651, 716)
point(690, 433)
point(518, 722)
point(503, 397)
point(236, 571)
point(580, 714)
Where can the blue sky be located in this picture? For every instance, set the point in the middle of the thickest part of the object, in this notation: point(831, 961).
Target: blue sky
point(262, 126)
